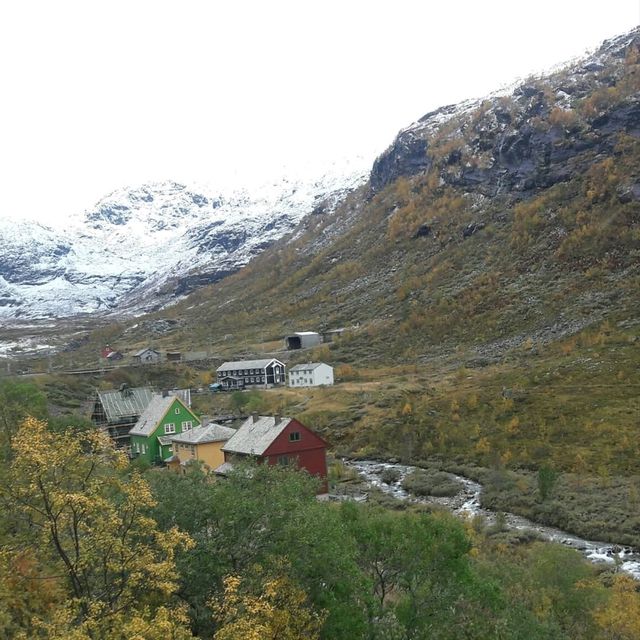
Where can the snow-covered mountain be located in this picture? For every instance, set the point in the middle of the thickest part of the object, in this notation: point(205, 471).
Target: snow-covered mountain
point(140, 248)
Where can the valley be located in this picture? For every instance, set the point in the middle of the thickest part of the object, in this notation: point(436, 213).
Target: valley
point(484, 277)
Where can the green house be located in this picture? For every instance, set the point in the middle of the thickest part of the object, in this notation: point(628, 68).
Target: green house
point(165, 416)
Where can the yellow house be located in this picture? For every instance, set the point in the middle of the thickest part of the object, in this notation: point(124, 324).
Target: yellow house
point(202, 443)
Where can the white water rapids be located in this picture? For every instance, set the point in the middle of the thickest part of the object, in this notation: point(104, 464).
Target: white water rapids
point(467, 503)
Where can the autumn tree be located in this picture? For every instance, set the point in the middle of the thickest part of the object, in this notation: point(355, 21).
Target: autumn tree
point(81, 520)
point(276, 609)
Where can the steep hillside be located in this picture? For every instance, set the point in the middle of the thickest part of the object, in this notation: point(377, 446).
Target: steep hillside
point(484, 225)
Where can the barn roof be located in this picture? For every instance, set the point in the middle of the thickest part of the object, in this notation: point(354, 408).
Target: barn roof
point(124, 403)
point(211, 432)
point(255, 436)
point(152, 415)
point(246, 364)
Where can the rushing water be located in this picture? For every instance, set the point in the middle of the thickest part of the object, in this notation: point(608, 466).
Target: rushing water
point(467, 503)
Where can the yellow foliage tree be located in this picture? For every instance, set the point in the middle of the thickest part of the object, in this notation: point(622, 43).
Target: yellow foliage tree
point(620, 618)
point(83, 521)
point(279, 611)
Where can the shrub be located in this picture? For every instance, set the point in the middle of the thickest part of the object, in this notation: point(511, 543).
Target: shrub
point(436, 484)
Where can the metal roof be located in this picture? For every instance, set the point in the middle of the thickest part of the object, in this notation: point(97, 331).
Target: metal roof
point(254, 437)
point(152, 415)
point(125, 403)
point(139, 353)
point(306, 333)
point(225, 467)
point(211, 432)
point(306, 367)
point(247, 364)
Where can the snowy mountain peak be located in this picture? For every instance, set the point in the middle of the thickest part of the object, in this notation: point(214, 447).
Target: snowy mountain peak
point(141, 246)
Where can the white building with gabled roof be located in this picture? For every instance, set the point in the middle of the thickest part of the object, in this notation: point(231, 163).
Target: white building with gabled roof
point(251, 373)
point(312, 374)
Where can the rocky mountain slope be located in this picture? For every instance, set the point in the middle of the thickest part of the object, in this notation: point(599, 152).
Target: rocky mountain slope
point(488, 223)
point(141, 248)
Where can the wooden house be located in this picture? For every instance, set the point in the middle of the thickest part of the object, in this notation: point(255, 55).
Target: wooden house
point(165, 416)
point(312, 374)
point(146, 356)
point(202, 443)
point(277, 440)
point(250, 373)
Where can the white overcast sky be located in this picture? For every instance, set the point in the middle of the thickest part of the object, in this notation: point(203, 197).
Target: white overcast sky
point(99, 95)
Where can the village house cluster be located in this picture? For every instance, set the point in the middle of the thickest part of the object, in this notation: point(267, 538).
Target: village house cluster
point(161, 428)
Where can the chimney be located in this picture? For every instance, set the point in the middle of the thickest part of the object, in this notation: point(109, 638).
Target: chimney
point(165, 393)
point(254, 417)
point(277, 418)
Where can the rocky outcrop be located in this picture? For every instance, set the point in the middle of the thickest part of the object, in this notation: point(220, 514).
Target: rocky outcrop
point(533, 138)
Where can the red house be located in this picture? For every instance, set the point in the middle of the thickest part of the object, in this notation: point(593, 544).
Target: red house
point(278, 440)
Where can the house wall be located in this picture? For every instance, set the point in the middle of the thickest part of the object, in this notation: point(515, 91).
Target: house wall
point(309, 451)
point(208, 453)
point(315, 378)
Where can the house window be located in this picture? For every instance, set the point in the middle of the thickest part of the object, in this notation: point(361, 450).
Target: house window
point(294, 436)
point(187, 425)
point(283, 460)
point(170, 427)
point(137, 447)
point(176, 410)
point(144, 448)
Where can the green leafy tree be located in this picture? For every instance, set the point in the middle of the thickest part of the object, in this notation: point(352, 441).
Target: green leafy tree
point(547, 479)
point(17, 401)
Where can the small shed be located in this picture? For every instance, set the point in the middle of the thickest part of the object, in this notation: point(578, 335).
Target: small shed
point(174, 356)
point(303, 340)
point(332, 334)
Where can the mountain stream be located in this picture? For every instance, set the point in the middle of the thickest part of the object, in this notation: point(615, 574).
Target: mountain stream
point(467, 504)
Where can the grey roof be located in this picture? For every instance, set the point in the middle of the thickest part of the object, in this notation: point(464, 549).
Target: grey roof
point(254, 438)
point(247, 364)
point(211, 432)
point(164, 440)
point(125, 403)
point(306, 367)
point(139, 353)
point(152, 415)
point(225, 467)
point(306, 333)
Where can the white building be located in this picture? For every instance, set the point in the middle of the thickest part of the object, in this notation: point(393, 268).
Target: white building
point(312, 374)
